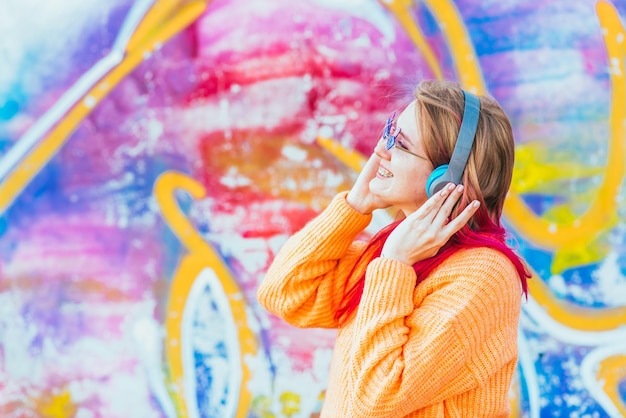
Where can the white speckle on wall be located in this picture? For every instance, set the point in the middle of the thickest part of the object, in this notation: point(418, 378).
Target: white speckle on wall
point(16, 336)
point(370, 11)
point(294, 153)
point(611, 281)
point(235, 179)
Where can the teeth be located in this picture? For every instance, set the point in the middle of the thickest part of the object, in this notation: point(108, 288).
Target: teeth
point(384, 173)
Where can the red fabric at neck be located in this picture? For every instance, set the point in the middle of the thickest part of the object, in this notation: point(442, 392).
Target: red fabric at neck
point(490, 235)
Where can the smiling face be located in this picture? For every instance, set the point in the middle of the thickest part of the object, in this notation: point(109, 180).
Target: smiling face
point(401, 178)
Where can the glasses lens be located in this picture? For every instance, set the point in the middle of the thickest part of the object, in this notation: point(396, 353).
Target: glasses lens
point(387, 132)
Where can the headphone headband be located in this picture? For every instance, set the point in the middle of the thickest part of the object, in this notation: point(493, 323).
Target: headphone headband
point(453, 171)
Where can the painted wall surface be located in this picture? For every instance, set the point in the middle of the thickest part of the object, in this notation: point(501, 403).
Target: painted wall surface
point(154, 156)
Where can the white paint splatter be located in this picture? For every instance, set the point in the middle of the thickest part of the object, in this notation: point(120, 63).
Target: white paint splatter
point(16, 336)
point(234, 179)
point(90, 101)
point(611, 281)
point(149, 343)
point(557, 284)
point(367, 10)
point(293, 153)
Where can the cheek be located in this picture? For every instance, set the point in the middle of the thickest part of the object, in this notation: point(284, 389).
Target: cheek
point(418, 185)
point(420, 194)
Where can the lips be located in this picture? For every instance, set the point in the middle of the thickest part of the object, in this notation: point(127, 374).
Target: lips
point(384, 173)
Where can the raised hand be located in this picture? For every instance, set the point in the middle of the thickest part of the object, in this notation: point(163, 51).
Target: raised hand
point(360, 197)
point(423, 232)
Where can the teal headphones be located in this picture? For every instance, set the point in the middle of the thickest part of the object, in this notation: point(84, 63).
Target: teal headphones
point(453, 171)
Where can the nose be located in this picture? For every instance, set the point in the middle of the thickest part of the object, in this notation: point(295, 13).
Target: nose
point(381, 149)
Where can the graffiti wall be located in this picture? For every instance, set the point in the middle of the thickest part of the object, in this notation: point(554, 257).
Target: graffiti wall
point(155, 155)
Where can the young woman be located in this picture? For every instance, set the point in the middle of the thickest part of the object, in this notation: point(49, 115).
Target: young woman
point(427, 311)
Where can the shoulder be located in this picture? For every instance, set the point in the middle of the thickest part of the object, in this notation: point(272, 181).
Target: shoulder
point(478, 269)
point(473, 283)
point(480, 259)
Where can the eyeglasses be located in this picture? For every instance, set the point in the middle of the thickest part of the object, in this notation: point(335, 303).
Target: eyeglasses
point(390, 138)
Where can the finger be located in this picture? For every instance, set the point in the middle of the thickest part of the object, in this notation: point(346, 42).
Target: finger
point(380, 147)
point(375, 158)
point(371, 165)
point(371, 168)
point(450, 201)
point(432, 206)
point(457, 223)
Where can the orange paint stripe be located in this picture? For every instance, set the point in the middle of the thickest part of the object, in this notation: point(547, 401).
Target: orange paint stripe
point(612, 372)
point(400, 10)
point(202, 255)
point(157, 14)
point(460, 44)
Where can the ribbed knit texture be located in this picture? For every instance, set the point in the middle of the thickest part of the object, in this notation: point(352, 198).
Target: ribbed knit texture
point(444, 348)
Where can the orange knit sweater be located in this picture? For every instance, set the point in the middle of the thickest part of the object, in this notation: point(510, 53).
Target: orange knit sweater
point(444, 348)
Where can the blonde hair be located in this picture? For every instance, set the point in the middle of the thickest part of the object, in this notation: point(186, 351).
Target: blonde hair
point(489, 169)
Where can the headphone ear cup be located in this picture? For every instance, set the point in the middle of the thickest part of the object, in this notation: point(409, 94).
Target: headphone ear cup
point(432, 184)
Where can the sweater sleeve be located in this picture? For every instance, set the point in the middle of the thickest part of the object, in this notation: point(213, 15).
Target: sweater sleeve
point(307, 279)
point(463, 330)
